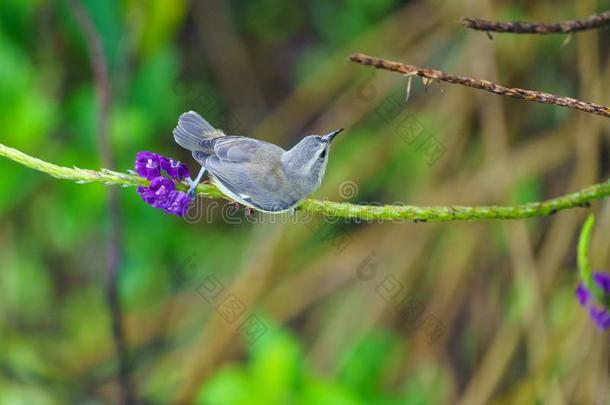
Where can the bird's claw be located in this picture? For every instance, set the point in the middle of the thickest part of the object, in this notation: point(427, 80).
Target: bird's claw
point(192, 187)
point(193, 183)
point(191, 192)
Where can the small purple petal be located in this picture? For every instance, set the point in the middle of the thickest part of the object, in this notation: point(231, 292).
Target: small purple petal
point(162, 194)
point(582, 294)
point(601, 317)
point(156, 193)
point(602, 280)
point(147, 164)
point(178, 203)
point(146, 194)
point(174, 168)
point(161, 185)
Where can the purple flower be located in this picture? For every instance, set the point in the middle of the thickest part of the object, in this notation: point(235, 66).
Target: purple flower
point(582, 294)
point(157, 191)
point(178, 203)
point(602, 280)
point(174, 168)
point(601, 317)
point(147, 165)
point(150, 164)
point(162, 193)
point(599, 314)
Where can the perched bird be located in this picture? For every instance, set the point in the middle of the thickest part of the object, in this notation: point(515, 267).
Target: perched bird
point(254, 173)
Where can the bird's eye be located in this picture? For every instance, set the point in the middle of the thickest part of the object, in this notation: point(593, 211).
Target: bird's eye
point(323, 154)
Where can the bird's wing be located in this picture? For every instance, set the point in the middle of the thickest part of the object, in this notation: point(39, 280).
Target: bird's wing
point(246, 181)
point(240, 149)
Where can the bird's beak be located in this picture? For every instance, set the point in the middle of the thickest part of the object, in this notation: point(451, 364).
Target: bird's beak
point(329, 137)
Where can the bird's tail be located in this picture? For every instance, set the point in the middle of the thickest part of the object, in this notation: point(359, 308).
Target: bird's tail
point(192, 128)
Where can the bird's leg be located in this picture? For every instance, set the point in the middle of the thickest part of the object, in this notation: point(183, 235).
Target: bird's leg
point(248, 211)
point(193, 183)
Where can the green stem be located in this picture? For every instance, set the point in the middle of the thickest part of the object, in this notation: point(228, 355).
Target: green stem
point(584, 267)
point(401, 213)
point(81, 176)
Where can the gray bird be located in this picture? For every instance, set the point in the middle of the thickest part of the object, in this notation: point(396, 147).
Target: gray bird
point(254, 173)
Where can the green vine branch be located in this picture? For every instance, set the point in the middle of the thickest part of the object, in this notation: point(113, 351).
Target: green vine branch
point(331, 209)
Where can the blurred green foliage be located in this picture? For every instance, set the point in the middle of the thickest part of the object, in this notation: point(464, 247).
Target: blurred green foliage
point(277, 372)
point(55, 336)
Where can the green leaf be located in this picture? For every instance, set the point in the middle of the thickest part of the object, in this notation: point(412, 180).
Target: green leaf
point(364, 365)
point(231, 385)
point(275, 365)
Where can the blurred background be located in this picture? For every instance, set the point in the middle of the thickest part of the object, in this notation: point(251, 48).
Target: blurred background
point(222, 309)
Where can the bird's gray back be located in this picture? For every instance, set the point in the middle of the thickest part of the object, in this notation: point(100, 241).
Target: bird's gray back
point(250, 169)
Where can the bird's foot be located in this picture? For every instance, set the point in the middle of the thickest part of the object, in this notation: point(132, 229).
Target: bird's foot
point(191, 191)
point(193, 183)
point(192, 187)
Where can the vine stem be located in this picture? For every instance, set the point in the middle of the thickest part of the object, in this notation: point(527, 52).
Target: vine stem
point(522, 27)
point(584, 267)
point(332, 210)
point(432, 74)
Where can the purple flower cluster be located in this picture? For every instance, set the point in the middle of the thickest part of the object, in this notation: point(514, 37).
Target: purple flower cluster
point(149, 166)
point(162, 193)
point(599, 314)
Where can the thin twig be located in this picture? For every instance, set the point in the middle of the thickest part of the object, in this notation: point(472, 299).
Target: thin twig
point(99, 68)
point(530, 95)
point(396, 213)
point(521, 27)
